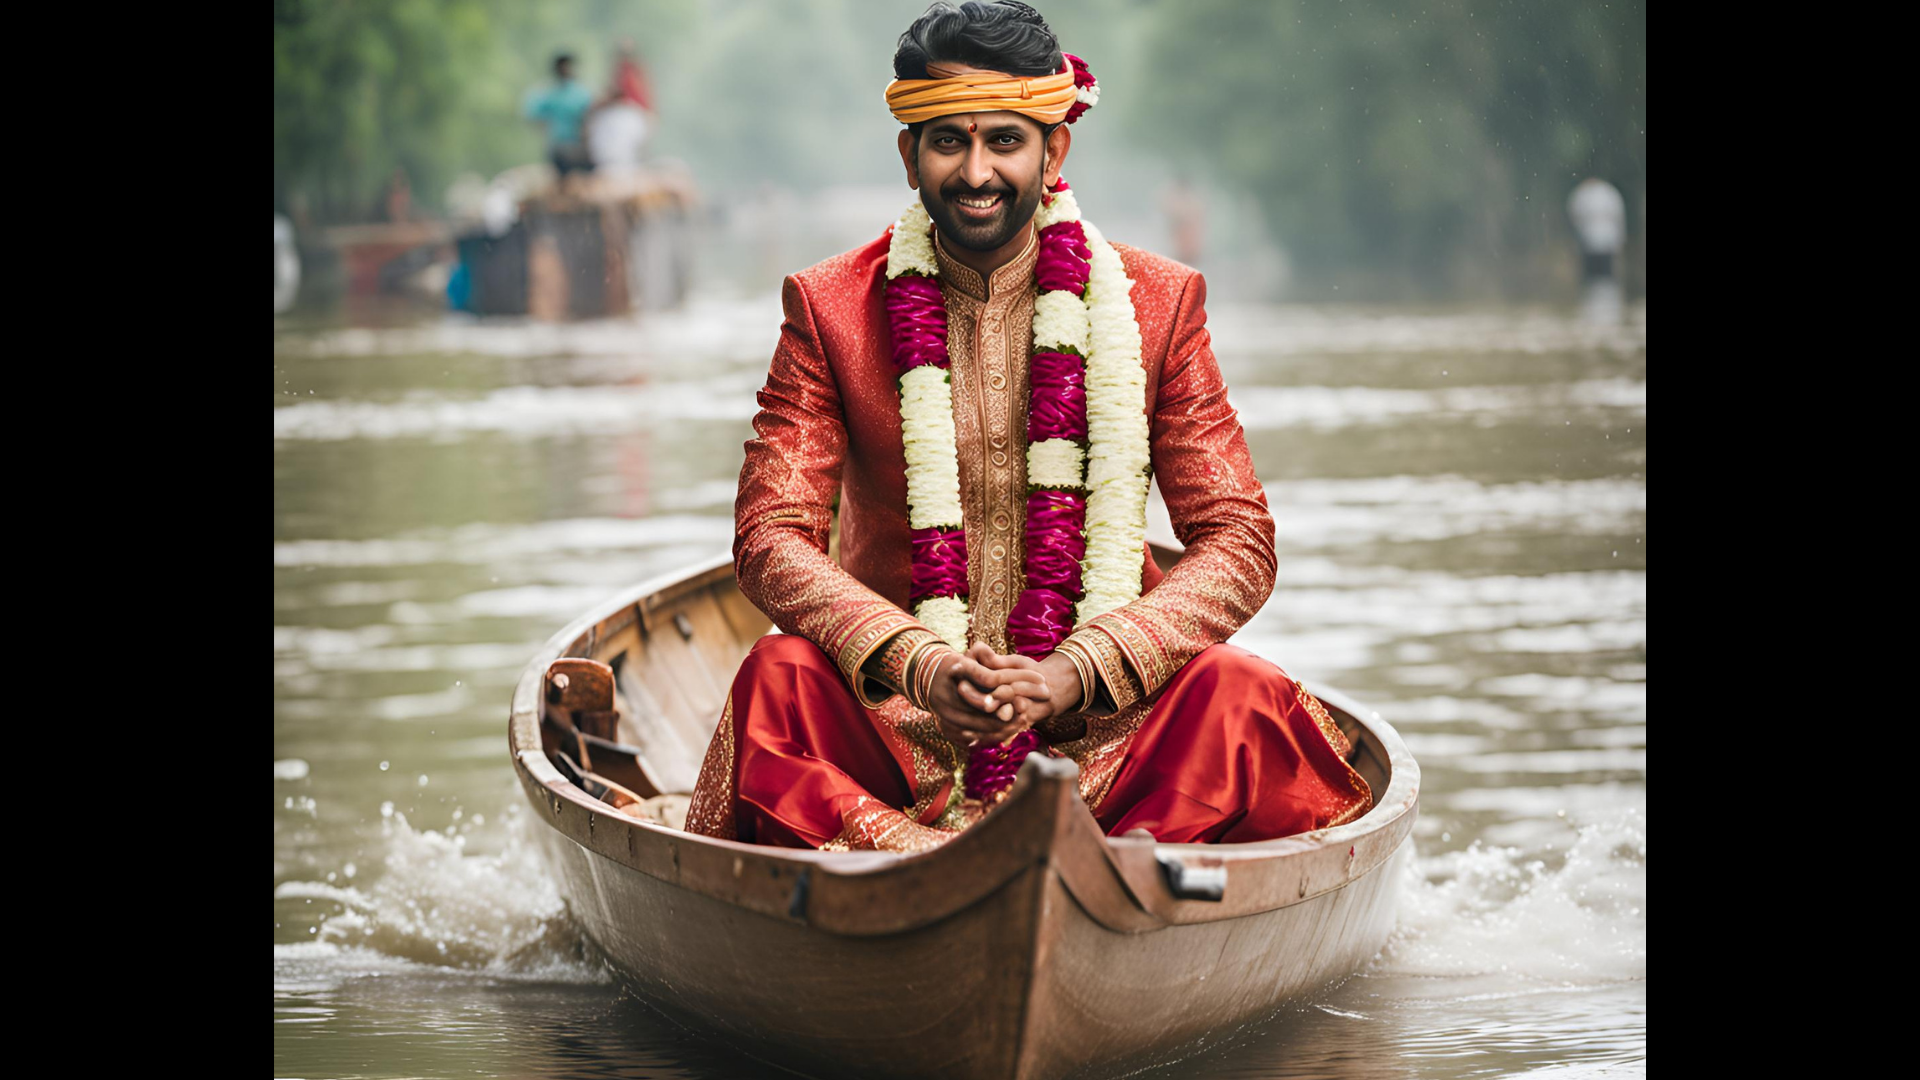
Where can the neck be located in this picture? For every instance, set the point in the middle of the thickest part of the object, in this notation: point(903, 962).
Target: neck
point(985, 263)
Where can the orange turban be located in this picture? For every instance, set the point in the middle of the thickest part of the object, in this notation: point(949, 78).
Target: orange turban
point(1043, 98)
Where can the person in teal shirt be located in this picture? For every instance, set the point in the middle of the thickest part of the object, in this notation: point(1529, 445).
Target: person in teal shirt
point(562, 107)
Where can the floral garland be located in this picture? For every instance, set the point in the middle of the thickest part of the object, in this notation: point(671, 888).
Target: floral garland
point(1088, 451)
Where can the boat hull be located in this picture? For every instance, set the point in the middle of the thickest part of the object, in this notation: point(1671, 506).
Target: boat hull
point(1031, 946)
point(1021, 984)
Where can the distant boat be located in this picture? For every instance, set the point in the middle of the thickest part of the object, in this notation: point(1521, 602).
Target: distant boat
point(1030, 946)
point(286, 264)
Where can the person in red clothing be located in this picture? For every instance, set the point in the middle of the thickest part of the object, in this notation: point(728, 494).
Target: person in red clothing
point(630, 79)
point(986, 390)
point(623, 116)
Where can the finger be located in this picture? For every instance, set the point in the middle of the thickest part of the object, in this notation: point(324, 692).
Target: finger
point(975, 697)
point(1025, 688)
point(985, 677)
point(1022, 680)
point(983, 708)
point(988, 700)
point(1005, 713)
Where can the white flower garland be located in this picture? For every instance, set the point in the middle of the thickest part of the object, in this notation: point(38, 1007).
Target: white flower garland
point(947, 617)
point(926, 430)
point(1056, 463)
point(926, 427)
point(911, 249)
point(1120, 450)
point(1060, 322)
point(1101, 328)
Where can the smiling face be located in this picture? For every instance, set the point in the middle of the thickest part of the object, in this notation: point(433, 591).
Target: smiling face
point(981, 175)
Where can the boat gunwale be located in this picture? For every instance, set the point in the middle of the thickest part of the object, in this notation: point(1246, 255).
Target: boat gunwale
point(1128, 894)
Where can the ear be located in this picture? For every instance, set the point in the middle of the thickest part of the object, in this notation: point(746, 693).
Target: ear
point(1058, 143)
point(909, 159)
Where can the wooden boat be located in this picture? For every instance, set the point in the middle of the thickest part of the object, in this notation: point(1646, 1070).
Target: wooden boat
point(1030, 946)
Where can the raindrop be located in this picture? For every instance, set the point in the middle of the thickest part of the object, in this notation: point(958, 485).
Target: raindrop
point(423, 779)
point(384, 766)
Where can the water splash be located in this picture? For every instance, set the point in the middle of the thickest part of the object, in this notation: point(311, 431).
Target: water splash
point(1512, 916)
point(435, 904)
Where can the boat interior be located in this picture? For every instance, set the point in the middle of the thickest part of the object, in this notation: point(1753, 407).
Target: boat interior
point(629, 705)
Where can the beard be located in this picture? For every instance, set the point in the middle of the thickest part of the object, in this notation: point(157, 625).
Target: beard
point(1015, 212)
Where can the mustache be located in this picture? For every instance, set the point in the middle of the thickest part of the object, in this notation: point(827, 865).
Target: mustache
point(952, 191)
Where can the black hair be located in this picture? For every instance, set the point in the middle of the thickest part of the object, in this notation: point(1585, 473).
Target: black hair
point(561, 58)
point(1006, 36)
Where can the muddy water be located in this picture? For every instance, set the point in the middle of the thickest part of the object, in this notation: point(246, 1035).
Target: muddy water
point(1461, 505)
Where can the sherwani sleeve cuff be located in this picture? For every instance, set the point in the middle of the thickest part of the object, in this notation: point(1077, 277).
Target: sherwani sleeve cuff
point(1116, 684)
point(856, 638)
point(1140, 652)
point(888, 670)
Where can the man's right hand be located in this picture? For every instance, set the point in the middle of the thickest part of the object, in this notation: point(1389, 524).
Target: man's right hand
point(961, 704)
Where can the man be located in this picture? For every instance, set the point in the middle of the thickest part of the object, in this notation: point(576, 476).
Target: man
point(982, 389)
point(562, 109)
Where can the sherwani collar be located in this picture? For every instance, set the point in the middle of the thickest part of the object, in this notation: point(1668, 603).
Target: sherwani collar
point(1014, 275)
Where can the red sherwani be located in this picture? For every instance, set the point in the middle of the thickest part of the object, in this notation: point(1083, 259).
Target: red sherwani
point(1192, 739)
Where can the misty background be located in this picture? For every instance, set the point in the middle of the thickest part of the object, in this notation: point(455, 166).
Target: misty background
point(1349, 151)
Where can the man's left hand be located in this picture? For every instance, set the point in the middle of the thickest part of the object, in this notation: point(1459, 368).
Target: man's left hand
point(1060, 677)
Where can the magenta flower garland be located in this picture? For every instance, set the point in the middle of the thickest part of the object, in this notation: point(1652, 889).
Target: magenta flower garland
point(1056, 504)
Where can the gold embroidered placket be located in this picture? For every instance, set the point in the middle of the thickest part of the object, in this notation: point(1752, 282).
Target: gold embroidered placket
point(989, 343)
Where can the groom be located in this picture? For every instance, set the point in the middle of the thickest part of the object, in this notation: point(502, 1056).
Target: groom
point(981, 389)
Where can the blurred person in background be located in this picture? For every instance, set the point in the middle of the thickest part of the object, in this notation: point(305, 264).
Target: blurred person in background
point(1599, 216)
point(562, 109)
point(617, 129)
point(986, 389)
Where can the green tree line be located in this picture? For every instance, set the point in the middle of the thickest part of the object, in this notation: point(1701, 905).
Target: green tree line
point(1408, 143)
point(1420, 147)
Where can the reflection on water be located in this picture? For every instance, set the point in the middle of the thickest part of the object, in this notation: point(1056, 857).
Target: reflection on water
point(1461, 507)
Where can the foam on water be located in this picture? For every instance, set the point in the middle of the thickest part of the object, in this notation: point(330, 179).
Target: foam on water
point(435, 904)
point(1527, 924)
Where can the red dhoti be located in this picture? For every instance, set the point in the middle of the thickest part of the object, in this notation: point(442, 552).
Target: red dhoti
point(1231, 750)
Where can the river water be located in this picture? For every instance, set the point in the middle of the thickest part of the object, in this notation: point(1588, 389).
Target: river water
point(1460, 498)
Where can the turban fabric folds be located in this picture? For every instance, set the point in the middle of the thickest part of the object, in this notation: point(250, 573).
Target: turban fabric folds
point(1045, 99)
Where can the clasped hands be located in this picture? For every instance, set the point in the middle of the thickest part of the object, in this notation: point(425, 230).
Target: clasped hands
point(980, 696)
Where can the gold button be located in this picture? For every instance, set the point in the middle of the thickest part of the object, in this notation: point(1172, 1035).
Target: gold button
point(998, 382)
point(1000, 521)
point(999, 552)
point(999, 441)
point(999, 457)
point(999, 587)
